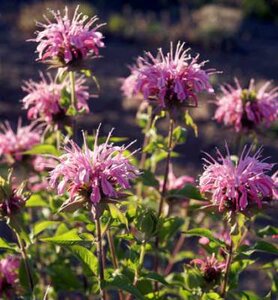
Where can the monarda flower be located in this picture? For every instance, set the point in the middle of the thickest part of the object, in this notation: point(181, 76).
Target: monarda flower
point(237, 185)
point(210, 267)
point(9, 275)
point(45, 99)
point(11, 199)
point(68, 41)
point(13, 144)
point(245, 109)
point(94, 175)
point(168, 81)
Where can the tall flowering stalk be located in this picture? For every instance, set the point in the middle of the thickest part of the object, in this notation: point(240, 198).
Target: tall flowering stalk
point(237, 186)
point(93, 178)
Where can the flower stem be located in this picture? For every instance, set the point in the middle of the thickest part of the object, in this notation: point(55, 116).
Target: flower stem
point(72, 87)
point(227, 270)
point(26, 262)
point(114, 258)
point(100, 258)
point(164, 190)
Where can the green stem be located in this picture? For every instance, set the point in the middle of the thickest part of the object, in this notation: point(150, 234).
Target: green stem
point(25, 261)
point(114, 258)
point(227, 270)
point(164, 190)
point(72, 86)
point(100, 258)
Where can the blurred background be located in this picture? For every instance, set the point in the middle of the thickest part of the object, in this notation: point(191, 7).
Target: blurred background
point(239, 38)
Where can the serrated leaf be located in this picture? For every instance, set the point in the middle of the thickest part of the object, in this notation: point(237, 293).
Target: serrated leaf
point(117, 214)
point(202, 232)
point(43, 149)
point(262, 246)
point(86, 257)
point(69, 238)
point(42, 225)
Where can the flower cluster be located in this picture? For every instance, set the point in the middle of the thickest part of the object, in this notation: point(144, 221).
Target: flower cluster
point(245, 109)
point(9, 268)
point(68, 41)
point(13, 144)
point(237, 186)
point(210, 267)
point(169, 80)
point(44, 99)
point(96, 174)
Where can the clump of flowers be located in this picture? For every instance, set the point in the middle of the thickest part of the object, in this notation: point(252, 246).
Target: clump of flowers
point(13, 144)
point(47, 99)
point(11, 199)
point(237, 185)
point(210, 267)
point(67, 41)
point(245, 109)
point(9, 274)
point(93, 175)
point(169, 80)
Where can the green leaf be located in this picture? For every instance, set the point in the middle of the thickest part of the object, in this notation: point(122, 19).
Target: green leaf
point(268, 230)
point(169, 227)
point(117, 214)
point(190, 122)
point(189, 191)
point(121, 282)
point(262, 246)
point(5, 245)
point(202, 232)
point(69, 238)
point(36, 201)
point(156, 277)
point(43, 149)
point(180, 135)
point(148, 179)
point(42, 225)
point(86, 257)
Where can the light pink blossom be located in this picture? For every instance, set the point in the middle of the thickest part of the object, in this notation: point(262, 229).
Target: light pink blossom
point(43, 163)
point(169, 80)
point(103, 172)
point(9, 269)
point(210, 267)
point(237, 186)
point(67, 41)
point(245, 109)
point(13, 144)
point(44, 98)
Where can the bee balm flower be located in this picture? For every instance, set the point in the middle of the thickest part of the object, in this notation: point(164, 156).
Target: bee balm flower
point(14, 144)
point(9, 268)
point(237, 186)
point(44, 98)
point(169, 80)
point(93, 175)
point(245, 109)
point(68, 41)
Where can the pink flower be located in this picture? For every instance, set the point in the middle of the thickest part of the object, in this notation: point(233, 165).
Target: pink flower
point(14, 144)
point(103, 172)
point(210, 267)
point(275, 188)
point(66, 41)
point(238, 185)
point(43, 163)
point(177, 183)
point(44, 98)
point(246, 109)
point(9, 268)
point(169, 80)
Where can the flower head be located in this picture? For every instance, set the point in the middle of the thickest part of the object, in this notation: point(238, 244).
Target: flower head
point(44, 98)
point(11, 199)
point(169, 80)
point(9, 273)
point(237, 186)
point(210, 267)
point(245, 109)
point(67, 41)
point(14, 144)
point(95, 175)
